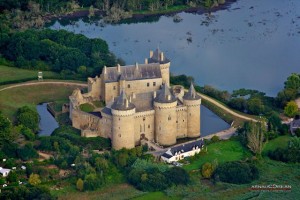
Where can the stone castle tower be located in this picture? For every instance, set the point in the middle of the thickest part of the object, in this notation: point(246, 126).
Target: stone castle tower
point(140, 104)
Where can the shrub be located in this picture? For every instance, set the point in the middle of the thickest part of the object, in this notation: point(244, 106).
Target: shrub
point(215, 138)
point(207, 170)
point(236, 172)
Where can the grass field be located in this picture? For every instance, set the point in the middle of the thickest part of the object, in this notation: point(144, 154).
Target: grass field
point(8, 74)
point(223, 151)
point(279, 142)
point(14, 98)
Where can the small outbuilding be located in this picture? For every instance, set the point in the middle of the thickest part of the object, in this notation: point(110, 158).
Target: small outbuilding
point(182, 151)
point(4, 172)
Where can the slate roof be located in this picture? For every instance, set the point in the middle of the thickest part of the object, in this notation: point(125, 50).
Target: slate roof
point(156, 58)
point(191, 94)
point(133, 72)
point(183, 148)
point(120, 103)
point(163, 94)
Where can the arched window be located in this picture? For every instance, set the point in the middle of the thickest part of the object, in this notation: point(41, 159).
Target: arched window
point(169, 118)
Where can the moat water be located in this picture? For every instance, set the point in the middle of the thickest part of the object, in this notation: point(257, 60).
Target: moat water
point(47, 122)
point(251, 44)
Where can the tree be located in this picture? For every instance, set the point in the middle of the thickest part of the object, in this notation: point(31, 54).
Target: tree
point(28, 118)
point(12, 177)
point(255, 137)
point(101, 164)
point(236, 172)
point(177, 175)
point(207, 170)
point(293, 82)
point(34, 179)
point(291, 109)
point(6, 134)
point(255, 106)
point(79, 184)
point(91, 11)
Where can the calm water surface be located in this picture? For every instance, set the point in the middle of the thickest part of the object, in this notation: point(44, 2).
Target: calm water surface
point(47, 123)
point(252, 44)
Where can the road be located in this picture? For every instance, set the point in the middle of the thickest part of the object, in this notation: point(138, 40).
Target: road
point(43, 83)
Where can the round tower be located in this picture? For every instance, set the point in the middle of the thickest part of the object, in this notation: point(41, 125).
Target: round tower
point(122, 123)
point(192, 101)
point(165, 117)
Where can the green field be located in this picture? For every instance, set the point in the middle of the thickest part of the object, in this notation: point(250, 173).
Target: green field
point(12, 74)
point(279, 142)
point(14, 98)
point(223, 151)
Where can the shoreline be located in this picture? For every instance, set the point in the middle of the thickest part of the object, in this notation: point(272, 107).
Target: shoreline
point(137, 16)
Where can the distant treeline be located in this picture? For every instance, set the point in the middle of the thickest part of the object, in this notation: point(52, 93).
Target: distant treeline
point(60, 51)
point(104, 5)
point(249, 101)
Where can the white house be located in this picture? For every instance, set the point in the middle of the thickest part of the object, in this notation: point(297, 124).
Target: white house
point(4, 171)
point(180, 152)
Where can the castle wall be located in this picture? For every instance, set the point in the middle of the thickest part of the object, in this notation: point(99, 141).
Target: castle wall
point(165, 120)
point(113, 89)
point(83, 120)
point(181, 122)
point(105, 126)
point(144, 126)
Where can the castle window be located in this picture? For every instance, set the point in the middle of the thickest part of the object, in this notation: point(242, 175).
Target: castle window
point(154, 83)
point(128, 85)
point(144, 118)
point(119, 119)
point(119, 135)
point(114, 87)
point(149, 126)
point(148, 84)
point(190, 114)
point(169, 118)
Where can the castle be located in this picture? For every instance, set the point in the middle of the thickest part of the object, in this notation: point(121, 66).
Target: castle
point(139, 104)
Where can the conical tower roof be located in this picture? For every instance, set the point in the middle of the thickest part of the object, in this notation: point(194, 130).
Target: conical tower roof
point(165, 95)
point(122, 103)
point(191, 94)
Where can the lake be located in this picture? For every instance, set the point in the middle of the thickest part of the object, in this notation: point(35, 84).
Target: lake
point(252, 44)
point(47, 122)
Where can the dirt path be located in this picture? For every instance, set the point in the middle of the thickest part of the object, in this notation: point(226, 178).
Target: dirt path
point(43, 83)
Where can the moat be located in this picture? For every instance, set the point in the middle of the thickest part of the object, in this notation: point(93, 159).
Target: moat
point(235, 48)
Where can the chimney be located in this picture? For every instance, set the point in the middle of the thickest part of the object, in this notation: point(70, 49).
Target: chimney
point(126, 103)
point(136, 65)
point(104, 70)
point(129, 99)
point(169, 97)
point(146, 60)
point(154, 94)
point(162, 56)
point(133, 95)
point(119, 68)
point(151, 54)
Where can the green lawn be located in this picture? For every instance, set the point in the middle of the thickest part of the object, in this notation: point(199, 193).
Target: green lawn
point(14, 98)
point(279, 142)
point(155, 196)
point(86, 107)
point(223, 151)
point(10, 74)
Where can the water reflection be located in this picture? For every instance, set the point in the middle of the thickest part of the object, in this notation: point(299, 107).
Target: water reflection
point(210, 122)
point(253, 44)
